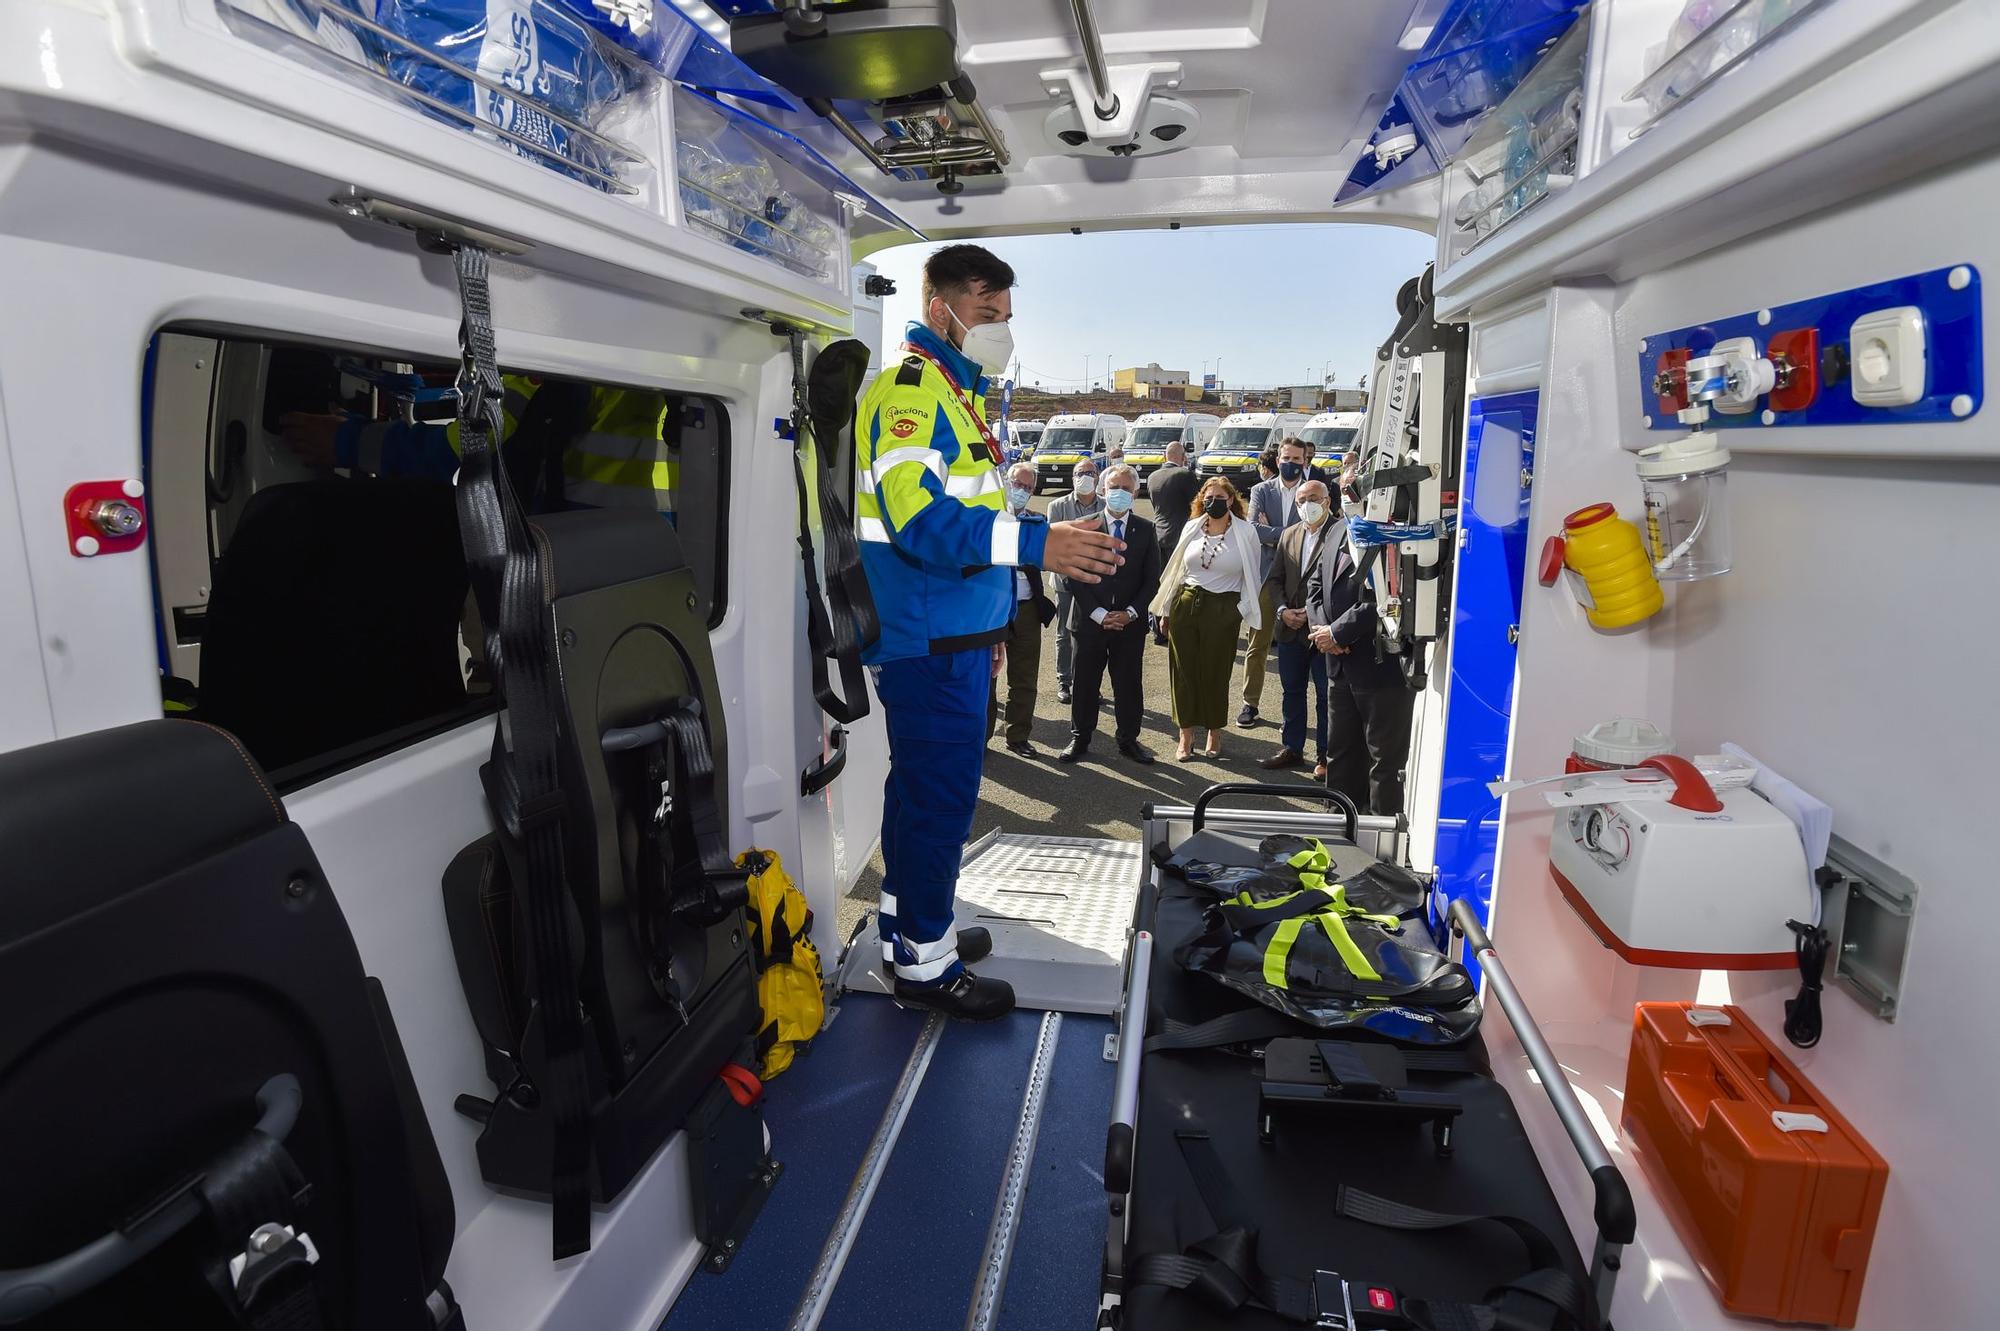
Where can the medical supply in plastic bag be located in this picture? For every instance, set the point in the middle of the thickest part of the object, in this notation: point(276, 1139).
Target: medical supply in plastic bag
point(1706, 37)
point(540, 64)
point(730, 185)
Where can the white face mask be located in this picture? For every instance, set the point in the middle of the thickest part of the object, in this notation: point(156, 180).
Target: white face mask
point(1086, 486)
point(1312, 511)
point(989, 346)
point(1018, 497)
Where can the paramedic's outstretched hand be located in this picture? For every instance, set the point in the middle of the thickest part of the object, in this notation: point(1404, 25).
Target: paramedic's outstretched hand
point(1082, 550)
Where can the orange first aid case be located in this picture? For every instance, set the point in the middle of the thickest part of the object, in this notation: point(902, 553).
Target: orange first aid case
point(1775, 1193)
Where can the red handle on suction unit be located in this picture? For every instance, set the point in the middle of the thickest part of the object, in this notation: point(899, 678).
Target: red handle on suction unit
point(1691, 788)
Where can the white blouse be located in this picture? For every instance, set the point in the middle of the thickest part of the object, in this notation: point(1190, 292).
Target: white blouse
point(1214, 564)
point(1234, 568)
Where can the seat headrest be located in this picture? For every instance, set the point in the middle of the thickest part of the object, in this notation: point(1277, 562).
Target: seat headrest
point(87, 819)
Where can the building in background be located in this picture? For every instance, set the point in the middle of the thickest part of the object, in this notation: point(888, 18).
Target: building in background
point(1134, 381)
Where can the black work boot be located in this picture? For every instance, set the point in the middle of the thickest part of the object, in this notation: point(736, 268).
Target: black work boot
point(967, 998)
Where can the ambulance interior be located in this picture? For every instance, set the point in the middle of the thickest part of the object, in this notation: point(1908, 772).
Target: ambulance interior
point(1753, 233)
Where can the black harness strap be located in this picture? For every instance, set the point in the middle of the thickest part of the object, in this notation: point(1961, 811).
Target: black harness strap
point(1547, 1298)
point(507, 580)
point(842, 624)
point(263, 1269)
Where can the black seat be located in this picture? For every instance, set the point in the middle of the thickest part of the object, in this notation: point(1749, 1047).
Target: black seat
point(174, 969)
point(334, 617)
point(665, 975)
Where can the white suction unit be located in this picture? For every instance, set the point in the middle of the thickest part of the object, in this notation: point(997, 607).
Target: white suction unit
point(1679, 875)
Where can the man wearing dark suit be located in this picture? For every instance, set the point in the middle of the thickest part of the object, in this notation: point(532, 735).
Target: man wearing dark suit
point(1368, 701)
point(1108, 623)
point(1274, 507)
point(1299, 662)
point(1033, 611)
point(1172, 488)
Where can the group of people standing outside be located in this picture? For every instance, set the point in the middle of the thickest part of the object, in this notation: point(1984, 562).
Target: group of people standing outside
point(1211, 565)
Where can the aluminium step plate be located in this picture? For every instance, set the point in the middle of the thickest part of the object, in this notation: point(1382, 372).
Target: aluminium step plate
point(1059, 909)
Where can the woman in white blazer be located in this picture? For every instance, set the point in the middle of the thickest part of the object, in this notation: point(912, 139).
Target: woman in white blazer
point(1208, 593)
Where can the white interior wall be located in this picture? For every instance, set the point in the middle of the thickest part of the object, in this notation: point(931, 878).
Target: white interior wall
point(99, 287)
point(1847, 650)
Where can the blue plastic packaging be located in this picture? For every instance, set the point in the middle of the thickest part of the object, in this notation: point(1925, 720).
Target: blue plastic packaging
point(543, 52)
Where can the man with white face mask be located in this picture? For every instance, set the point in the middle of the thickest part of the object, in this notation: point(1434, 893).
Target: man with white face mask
point(1298, 552)
point(1081, 503)
point(941, 551)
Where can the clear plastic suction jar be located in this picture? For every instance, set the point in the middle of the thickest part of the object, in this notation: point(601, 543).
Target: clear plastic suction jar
point(1687, 507)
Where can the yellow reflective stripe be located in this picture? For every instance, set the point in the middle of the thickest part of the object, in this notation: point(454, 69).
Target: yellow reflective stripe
point(1279, 949)
point(1336, 933)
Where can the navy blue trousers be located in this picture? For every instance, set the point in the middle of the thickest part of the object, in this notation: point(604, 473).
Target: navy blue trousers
point(936, 712)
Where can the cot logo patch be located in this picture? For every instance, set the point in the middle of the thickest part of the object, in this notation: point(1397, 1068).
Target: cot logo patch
point(903, 429)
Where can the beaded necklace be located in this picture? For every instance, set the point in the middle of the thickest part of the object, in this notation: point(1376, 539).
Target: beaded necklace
point(1211, 546)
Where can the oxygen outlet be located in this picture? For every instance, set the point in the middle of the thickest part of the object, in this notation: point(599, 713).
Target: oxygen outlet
point(105, 517)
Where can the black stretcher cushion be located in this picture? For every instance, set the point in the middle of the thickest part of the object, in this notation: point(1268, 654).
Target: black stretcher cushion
point(1288, 1188)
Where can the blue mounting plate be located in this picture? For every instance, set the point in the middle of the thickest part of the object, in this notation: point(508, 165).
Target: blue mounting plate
point(1953, 354)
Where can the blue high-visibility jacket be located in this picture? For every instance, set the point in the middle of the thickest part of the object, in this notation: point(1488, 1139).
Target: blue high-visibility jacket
point(937, 542)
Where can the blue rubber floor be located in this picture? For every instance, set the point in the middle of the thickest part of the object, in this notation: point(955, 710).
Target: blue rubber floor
point(821, 1112)
point(1053, 1282)
point(914, 1262)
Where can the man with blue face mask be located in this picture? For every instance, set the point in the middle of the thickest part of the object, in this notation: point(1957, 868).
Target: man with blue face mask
point(1108, 620)
point(1032, 611)
point(941, 551)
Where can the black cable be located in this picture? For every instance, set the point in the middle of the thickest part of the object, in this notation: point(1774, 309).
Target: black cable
point(1802, 1017)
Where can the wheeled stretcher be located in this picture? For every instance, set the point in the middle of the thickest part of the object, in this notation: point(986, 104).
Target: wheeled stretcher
point(1266, 1173)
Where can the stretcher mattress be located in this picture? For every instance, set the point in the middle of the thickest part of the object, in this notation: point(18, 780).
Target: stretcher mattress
point(1287, 1189)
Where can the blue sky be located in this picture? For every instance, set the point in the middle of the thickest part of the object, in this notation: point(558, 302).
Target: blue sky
point(1275, 303)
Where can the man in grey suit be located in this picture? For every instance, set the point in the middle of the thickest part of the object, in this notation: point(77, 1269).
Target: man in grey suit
point(1082, 501)
point(1273, 507)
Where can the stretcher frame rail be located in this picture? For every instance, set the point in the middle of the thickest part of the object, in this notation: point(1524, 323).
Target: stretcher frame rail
point(1612, 1208)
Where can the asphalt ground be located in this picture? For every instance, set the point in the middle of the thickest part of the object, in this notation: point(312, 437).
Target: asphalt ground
point(1101, 795)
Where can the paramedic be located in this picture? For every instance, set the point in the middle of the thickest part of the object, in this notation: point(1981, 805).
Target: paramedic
point(940, 551)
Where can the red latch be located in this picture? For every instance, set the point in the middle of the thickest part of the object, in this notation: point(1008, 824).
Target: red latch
point(1794, 354)
point(105, 517)
point(1670, 381)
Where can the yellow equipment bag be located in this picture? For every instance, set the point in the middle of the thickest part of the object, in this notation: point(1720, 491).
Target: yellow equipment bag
point(790, 986)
